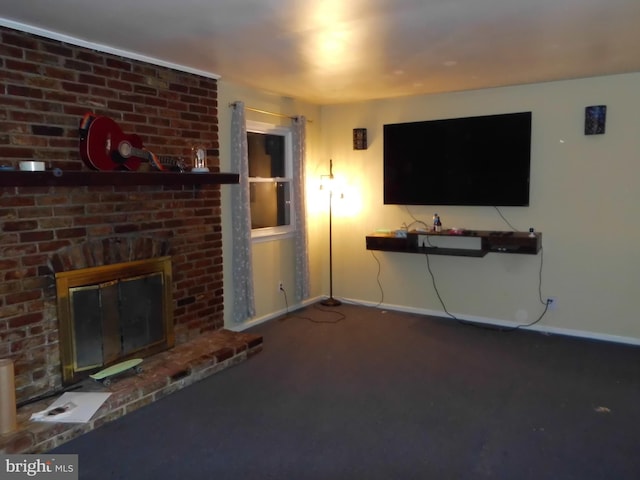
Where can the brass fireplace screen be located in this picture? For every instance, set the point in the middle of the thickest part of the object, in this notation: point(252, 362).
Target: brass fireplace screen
point(112, 313)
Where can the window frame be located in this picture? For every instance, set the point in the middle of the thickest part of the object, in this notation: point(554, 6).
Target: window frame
point(281, 231)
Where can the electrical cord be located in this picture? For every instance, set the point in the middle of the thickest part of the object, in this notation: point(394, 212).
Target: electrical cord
point(505, 220)
point(420, 222)
point(378, 280)
point(511, 329)
point(479, 325)
point(415, 220)
point(435, 287)
point(466, 322)
point(426, 237)
point(340, 316)
point(353, 302)
point(546, 304)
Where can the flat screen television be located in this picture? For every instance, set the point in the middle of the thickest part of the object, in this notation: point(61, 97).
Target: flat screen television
point(482, 160)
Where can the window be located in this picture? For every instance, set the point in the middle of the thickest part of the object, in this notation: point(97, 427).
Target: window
point(270, 180)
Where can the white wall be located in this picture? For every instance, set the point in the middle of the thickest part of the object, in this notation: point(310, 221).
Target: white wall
point(584, 200)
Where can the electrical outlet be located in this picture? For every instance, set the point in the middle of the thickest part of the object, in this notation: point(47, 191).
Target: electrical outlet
point(552, 303)
point(280, 286)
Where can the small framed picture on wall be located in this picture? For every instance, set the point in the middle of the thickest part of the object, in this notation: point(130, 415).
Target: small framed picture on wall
point(595, 118)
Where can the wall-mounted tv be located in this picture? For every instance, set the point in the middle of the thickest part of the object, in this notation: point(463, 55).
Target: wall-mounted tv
point(481, 160)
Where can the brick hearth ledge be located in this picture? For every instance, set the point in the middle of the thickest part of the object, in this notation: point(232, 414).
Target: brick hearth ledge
point(162, 374)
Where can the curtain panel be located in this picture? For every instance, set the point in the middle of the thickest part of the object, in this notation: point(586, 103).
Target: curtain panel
point(242, 263)
point(301, 245)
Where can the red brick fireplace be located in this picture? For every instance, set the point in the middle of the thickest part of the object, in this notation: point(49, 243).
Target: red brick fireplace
point(114, 303)
point(46, 87)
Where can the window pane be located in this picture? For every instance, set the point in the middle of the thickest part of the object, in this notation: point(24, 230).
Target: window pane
point(266, 155)
point(269, 204)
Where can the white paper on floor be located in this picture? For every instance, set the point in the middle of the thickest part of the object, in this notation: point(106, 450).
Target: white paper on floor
point(72, 407)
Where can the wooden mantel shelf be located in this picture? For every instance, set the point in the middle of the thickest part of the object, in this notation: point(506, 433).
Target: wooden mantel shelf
point(79, 178)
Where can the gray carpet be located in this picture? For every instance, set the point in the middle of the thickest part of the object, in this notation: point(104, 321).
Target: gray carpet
point(385, 395)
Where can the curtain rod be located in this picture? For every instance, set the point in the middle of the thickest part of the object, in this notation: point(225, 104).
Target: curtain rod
point(257, 110)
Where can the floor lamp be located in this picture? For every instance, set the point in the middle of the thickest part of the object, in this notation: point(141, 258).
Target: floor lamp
point(330, 302)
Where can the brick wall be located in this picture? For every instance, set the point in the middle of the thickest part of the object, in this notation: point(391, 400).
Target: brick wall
point(46, 86)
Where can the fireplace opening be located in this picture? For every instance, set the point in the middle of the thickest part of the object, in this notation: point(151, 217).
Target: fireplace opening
point(112, 313)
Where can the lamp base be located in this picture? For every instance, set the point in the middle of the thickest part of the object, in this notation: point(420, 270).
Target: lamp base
point(331, 302)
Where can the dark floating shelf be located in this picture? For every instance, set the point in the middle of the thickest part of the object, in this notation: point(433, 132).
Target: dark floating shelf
point(490, 242)
point(80, 178)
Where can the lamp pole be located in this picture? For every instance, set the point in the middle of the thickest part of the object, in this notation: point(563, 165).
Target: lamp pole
point(330, 302)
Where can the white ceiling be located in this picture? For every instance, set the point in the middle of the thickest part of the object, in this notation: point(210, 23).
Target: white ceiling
point(336, 51)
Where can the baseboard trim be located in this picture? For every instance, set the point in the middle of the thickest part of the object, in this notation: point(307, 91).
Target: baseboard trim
point(545, 329)
point(265, 318)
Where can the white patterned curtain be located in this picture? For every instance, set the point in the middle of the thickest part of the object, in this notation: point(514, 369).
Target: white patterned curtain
point(243, 297)
point(301, 250)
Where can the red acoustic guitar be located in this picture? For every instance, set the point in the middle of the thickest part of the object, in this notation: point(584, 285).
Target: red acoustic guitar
point(103, 146)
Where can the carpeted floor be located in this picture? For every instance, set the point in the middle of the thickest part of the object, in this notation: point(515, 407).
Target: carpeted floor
point(373, 394)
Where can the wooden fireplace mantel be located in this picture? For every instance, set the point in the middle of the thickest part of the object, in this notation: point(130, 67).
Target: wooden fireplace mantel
point(78, 178)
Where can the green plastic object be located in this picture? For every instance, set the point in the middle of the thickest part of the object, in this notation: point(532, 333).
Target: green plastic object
point(103, 375)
